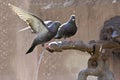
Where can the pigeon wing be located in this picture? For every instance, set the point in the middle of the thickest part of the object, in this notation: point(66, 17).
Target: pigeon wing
point(36, 24)
point(47, 23)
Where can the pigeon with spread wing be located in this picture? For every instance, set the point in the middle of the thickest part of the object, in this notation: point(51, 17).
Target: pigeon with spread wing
point(43, 32)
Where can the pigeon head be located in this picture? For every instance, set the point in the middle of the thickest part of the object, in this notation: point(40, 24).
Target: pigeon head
point(72, 18)
point(54, 26)
point(57, 24)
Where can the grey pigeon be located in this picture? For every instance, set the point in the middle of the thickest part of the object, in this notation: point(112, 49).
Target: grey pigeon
point(46, 36)
point(43, 33)
point(67, 29)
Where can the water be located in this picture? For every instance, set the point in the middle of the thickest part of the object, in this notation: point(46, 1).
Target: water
point(38, 64)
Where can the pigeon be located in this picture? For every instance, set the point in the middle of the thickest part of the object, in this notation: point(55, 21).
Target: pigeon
point(43, 33)
point(44, 37)
point(67, 29)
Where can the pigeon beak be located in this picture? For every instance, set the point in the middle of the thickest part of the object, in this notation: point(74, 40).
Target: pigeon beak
point(73, 19)
point(115, 34)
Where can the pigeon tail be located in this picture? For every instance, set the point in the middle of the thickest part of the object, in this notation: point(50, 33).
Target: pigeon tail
point(31, 49)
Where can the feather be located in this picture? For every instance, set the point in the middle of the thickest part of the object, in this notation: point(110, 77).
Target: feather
point(33, 21)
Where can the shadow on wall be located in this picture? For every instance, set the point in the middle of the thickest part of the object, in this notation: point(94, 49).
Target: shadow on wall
point(111, 25)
